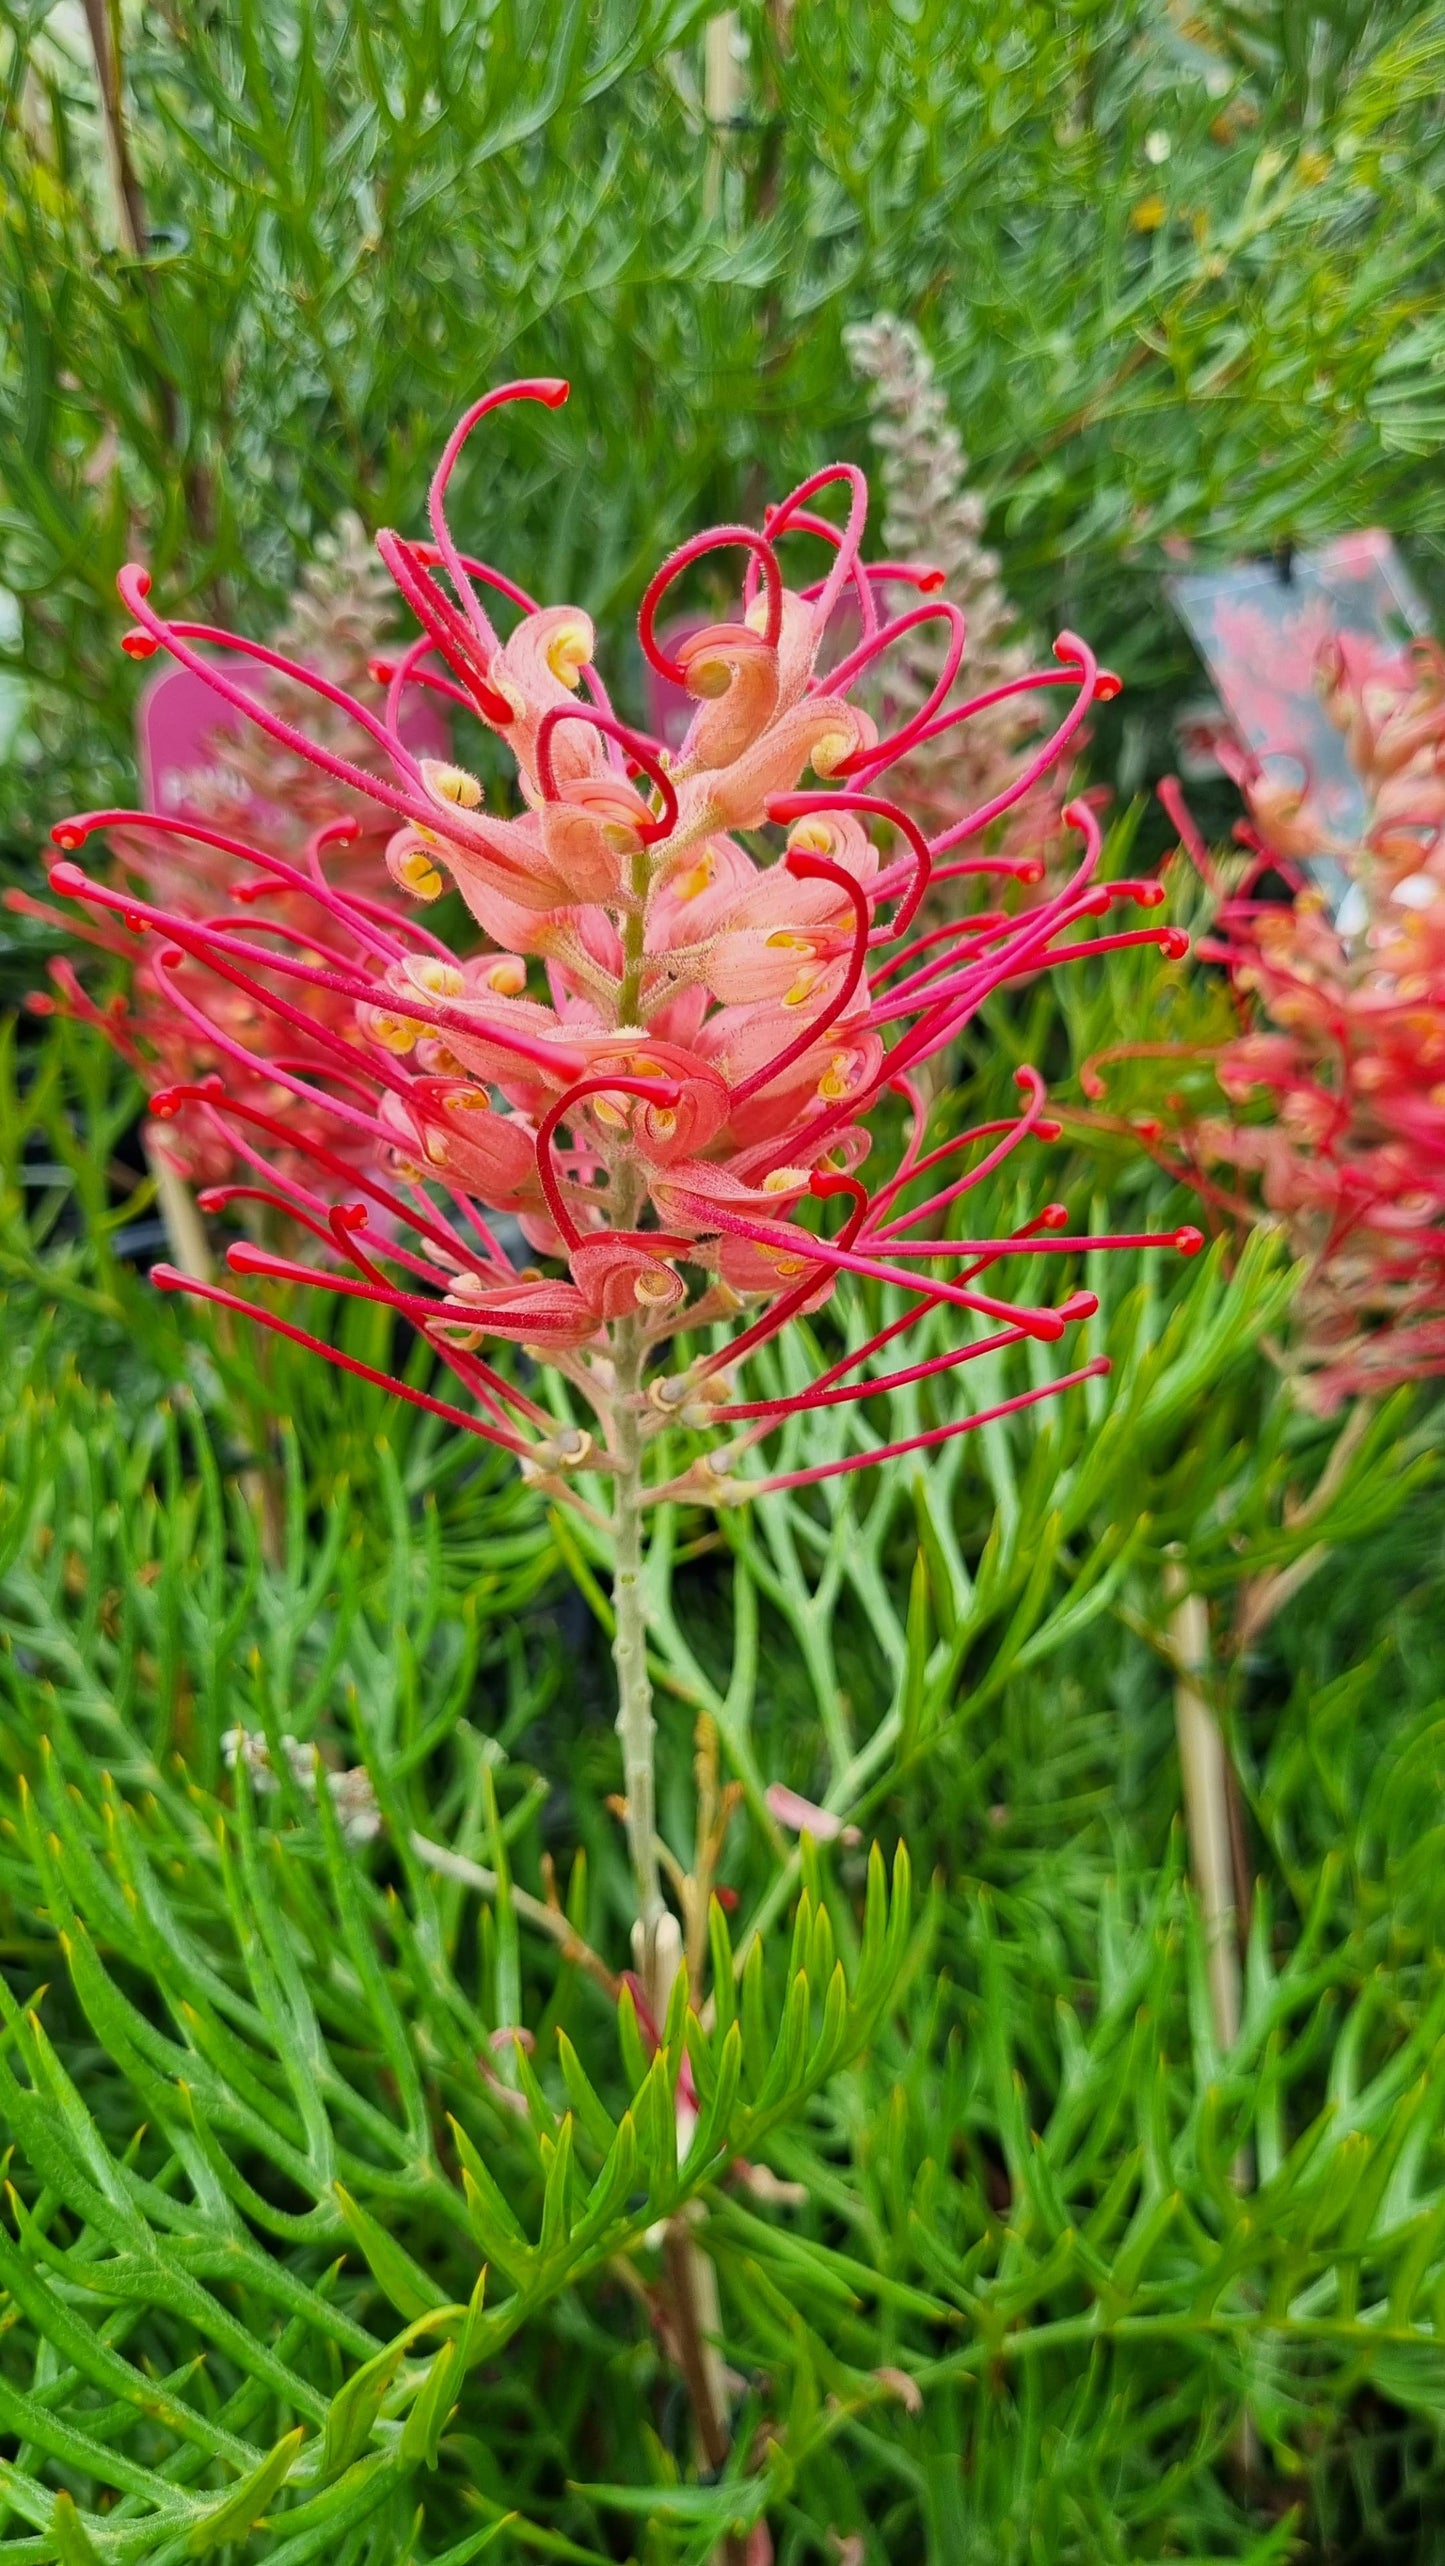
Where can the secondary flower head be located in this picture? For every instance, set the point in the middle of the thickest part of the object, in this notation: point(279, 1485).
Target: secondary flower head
point(1335, 1084)
point(243, 790)
point(638, 1104)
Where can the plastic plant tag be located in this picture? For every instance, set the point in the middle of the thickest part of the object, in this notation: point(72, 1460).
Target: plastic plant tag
point(1260, 630)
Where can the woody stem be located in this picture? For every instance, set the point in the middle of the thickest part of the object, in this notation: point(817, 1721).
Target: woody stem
point(636, 1727)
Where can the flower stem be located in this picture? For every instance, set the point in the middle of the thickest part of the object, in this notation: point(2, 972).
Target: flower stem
point(636, 1727)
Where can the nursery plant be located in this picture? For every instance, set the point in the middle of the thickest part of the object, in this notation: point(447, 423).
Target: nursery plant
point(665, 1047)
point(367, 2196)
point(712, 1042)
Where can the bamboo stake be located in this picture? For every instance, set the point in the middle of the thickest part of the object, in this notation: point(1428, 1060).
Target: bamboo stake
point(185, 1237)
point(1203, 1775)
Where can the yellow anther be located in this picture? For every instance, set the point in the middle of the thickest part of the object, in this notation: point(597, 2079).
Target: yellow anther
point(830, 750)
point(692, 885)
point(837, 1078)
point(468, 1100)
point(783, 940)
point(661, 1122)
point(569, 651)
point(417, 874)
point(802, 988)
point(507, 977)
point(394, 1033)
point(658, 1283)
point(615, 1117)
point(437, 978)
point(455, 784)
point(811, 836)
point(786, 1180)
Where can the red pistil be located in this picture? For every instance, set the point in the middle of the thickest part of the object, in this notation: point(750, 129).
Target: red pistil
point(720, 538)
point(816, 868)
point(552, 392)
point(658, 1091)
point(868, 762)
point(1094, 1371)
point(786, 807)
point(641, 751)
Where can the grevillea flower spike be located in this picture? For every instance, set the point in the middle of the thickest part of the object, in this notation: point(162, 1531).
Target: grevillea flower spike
point(1331, 1097)
point(658, 1070)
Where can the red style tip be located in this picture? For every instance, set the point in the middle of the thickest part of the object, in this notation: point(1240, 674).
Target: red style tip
point(1106, 686)
point(67, 879)
point(69, 834)
point(1079, 1305)
point(166, 1278)
point(381, 671)
point(1048, 1129)
point(213, 1198)
point(1148, 1126)
point(138, 643)
point(37, 1004)
point(1147, 895)
point(1054, 1216)
point(1173, 944)
point(554, 389)
point(244, 1258)
point(1189, 1241)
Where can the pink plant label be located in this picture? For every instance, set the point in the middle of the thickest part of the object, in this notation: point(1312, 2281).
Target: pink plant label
point(182, 728)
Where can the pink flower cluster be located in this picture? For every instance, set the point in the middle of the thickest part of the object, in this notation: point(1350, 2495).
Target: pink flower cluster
point(1344, 1046)
point(341, 617)
point(657, 1068)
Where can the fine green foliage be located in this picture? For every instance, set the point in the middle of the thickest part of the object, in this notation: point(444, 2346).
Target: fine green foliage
point(343, 2163)
point(1026, 2246)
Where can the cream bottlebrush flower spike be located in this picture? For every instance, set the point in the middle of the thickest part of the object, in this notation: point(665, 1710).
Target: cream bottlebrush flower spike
point(930, 512)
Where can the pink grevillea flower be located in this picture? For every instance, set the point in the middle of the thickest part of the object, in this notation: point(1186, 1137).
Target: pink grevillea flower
point(1336, 1080)
point(659, 1068)
point(245, 789)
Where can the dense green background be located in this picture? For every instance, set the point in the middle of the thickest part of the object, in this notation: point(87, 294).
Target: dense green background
point(1019, 2191)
